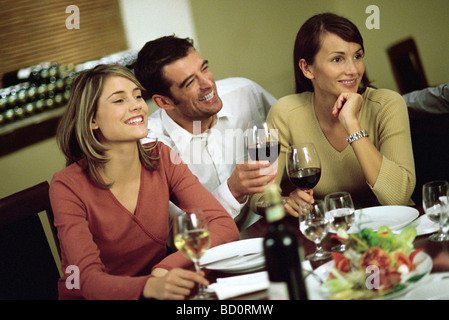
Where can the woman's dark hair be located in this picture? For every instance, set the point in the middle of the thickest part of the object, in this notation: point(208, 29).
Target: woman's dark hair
point(309, 39)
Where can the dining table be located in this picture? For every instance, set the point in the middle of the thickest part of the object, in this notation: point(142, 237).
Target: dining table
point(438, 251)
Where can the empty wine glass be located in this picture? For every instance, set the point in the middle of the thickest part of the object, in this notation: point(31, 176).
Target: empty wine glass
point(435, 205)
point(192, 239)
point(341, 213)
point(314, 226)
point(262, 143)
point(303, 165)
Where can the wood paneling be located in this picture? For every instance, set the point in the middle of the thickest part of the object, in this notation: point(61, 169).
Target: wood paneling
point(33, 31)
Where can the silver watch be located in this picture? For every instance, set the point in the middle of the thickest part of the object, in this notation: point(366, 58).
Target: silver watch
point(356, 136)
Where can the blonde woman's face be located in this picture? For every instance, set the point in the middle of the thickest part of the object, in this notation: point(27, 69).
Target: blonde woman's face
point(122, 113)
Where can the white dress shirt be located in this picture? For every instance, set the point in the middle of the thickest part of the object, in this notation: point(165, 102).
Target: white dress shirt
point(433, 100)
point(212, 155)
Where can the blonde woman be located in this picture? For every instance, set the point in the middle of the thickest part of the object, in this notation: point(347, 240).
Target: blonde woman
point(111, 201)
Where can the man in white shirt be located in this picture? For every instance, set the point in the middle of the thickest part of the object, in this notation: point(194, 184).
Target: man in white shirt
point(204, 121)
point(433, 100)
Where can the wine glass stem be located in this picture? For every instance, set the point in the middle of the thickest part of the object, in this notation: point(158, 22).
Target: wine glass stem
point(319, 248)
point(200, 286)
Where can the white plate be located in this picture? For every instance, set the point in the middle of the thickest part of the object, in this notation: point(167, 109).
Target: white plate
point(395, 217)
point(424, 266)
point(424, 225)
point(239, 264)
point(435, 288)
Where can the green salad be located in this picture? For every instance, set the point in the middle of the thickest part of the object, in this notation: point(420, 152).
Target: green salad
point(375, 264)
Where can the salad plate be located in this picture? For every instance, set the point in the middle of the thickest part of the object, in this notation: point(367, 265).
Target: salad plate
point(235, 257)
point(376, 265)
point(412, 281)
point(394, 217)
point(435, 288)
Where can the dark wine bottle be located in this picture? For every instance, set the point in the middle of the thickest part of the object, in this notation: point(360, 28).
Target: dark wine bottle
point(281, 249)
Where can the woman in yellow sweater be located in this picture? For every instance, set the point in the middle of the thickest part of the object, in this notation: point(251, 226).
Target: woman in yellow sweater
point(362, 134)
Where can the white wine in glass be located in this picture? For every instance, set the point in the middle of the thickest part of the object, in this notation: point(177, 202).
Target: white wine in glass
point(314, 226)
point(341, 213)
point(436, 206)
point(192, 239)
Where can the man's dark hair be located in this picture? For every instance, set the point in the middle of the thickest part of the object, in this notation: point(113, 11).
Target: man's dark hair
point(153, 57)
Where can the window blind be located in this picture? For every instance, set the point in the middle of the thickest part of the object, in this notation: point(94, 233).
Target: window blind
point(33, 32)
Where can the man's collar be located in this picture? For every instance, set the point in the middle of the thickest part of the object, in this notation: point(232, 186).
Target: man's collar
point(179, 136)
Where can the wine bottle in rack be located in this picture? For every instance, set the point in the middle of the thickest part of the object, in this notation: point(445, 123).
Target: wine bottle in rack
point(22, 94)
point(281, 249)
point(12, 98)
point(35, 74)
point(32, 93)
point(3, 103)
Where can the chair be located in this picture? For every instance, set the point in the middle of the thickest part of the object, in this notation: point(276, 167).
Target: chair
point(28, 270)
point(407, 67)
point(430, 144)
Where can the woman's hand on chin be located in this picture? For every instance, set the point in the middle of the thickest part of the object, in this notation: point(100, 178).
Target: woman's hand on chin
point(346, 109)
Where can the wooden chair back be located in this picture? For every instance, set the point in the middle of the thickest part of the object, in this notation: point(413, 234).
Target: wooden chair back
point(28, 270)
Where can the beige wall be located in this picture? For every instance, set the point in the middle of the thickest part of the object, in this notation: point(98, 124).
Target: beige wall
point(254, 39)
point(29, 166)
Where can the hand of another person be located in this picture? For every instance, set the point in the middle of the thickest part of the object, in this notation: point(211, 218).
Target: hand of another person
point(347, 108)
point(298, 200)
point(175, 284)
point(251, 177)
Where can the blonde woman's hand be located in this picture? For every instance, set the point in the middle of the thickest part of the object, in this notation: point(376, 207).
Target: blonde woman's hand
point(175, 284)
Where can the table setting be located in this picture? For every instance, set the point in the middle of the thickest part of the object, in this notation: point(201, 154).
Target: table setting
point(380, 252)
point(237, 268)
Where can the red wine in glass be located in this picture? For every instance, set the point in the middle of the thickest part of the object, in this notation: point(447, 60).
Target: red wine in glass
point(306, 178)
point(303, 165)
point(265, 151)
point(262, 143)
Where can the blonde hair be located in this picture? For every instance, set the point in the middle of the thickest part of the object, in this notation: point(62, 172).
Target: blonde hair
point(75, 136)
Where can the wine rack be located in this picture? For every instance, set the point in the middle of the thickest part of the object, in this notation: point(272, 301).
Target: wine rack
point(34, 100)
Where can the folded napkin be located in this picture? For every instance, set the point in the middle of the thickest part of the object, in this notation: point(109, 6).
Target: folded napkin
point(231, 287)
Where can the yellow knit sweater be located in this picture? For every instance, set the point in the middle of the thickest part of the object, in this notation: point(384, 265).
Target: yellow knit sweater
point(384, 116)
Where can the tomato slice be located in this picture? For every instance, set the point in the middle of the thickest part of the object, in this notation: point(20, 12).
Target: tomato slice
point(341, 262)
point(401, 258)
point(414, 253)
point(338, 238)
point(375, 256)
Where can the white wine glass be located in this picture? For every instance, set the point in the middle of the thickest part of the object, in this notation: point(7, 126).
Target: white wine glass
point(192, 239)
point(262, 143)
point(435, 205)
point(314, 226)
point(303, 165)
point(341, 213)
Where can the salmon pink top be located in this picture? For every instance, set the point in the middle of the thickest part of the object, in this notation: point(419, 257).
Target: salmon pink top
point(115, 250)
